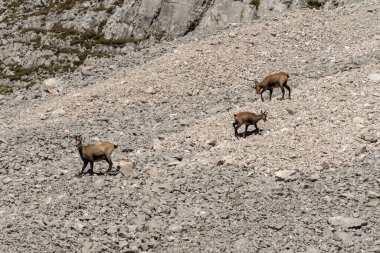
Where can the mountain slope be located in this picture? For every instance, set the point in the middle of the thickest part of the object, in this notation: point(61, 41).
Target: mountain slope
point(195, 186)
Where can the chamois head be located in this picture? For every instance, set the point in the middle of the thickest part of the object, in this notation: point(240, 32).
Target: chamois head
point(78, 141)
point(257, 87)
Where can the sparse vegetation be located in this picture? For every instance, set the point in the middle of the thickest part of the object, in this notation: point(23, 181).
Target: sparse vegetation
point(313, 4)
point(119, 3)
point(82, 47)
point(20, 73)
point(34, 29)
point(62, 6)
point(4, 90)
point(89, 38)
point(159, 35)
point(255, 3)
point(14, 4)
point(107, 10)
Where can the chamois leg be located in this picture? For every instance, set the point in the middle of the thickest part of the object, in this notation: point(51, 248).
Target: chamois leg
point(236, 127)
point(270, 94)
point(283, 92)
point(83, 167)
point(108, 159)
point(261, 93)
point(245, 132)
point(257, 130)
point(288, 88)
point(91, 171)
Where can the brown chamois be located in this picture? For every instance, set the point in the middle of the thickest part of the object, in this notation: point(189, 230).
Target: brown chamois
point(279, 80)
point(248, 118)
point(94, 153)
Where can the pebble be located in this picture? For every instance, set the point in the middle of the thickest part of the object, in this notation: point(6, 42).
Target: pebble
point(290, 111)
point(19, 98)
point(150, 90)
point(175, 228)
point(358, 120)
point(58, 113)
point(125, 167)
point(373, 195)
point(374, 77)
point(241, 245)
point(153, 172)
point(99, 183)
point(312, 250)
point(314, 177)
point(325, 165)
point(112, 230)
point(212, 143)
point(7, 180)
point(361, 150)
point(286, 175)
point(123, 244)
point(276, 226)
point(232, 35)
point(346, 238)
point(370, 137)
point(88, 247)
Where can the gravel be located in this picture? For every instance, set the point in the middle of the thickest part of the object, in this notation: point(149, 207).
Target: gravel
point(309, 182)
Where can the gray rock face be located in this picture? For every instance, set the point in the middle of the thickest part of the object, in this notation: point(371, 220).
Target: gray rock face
point(140, 20)
point(224, 12)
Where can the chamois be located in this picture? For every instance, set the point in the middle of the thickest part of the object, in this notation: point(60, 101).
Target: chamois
point(279, 80)
point(94, 153)
point(247, 118)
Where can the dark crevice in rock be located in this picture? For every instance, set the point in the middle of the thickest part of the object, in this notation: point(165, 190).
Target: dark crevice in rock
point(196, 22)
point(156, 15)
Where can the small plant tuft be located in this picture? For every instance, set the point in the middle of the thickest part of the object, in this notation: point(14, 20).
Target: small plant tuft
point(255, 3)
point(313, 4)
point(4, 90)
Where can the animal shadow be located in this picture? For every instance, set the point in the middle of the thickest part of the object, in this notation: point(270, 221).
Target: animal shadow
point(112, 173)
point(251, 132)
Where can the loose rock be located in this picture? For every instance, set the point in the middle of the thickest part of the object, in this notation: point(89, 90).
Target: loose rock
point(286, 175)
point(346, 222)
point(125, 167)
point(374, 77)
